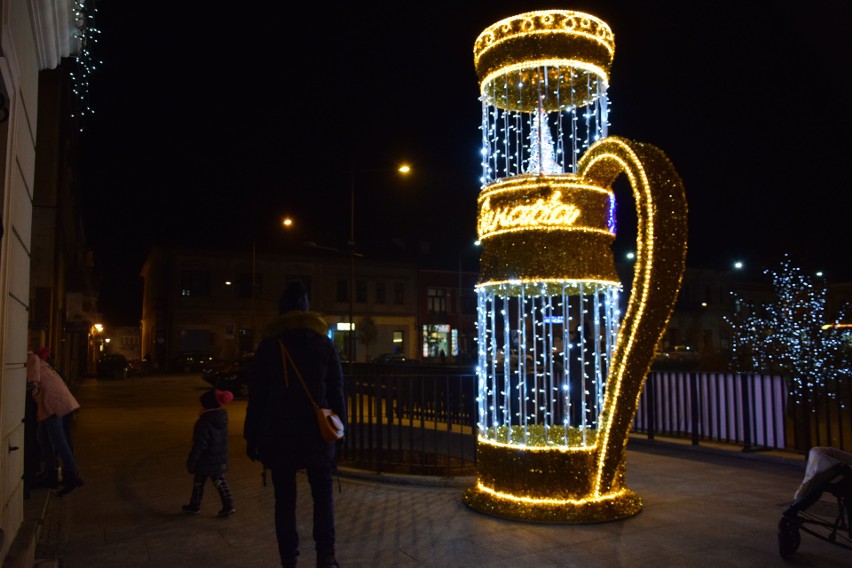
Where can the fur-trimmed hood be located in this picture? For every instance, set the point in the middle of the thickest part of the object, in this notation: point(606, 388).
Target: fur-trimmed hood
point(297, 320)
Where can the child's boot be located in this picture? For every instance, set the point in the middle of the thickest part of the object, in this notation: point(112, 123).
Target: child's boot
point(225, 495)
point(194, 506)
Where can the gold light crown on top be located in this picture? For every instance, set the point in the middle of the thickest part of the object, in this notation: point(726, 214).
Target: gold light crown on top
point(522, 49)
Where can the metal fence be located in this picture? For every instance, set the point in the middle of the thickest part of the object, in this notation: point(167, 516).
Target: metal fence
point(422, 420)
point(411, 420)
point(754, 411)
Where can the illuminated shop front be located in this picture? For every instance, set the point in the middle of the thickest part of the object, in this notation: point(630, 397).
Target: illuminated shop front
point(439, 338)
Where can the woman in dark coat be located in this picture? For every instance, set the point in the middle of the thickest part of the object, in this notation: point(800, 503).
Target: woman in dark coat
point(208, 457)
point(281, 427)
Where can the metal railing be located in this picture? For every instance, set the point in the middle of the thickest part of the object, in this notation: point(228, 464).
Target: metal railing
point(754, 411)
point(411, 420)
point(422, 420)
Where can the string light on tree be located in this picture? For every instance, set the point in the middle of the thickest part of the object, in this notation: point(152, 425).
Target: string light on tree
point(792, 335)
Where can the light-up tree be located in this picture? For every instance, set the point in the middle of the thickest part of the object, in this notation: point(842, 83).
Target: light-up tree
point(791, 335)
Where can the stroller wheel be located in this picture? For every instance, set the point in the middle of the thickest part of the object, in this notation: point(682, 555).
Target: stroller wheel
point(788, 538)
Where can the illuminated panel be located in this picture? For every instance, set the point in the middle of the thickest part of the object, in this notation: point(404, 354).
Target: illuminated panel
point(548, 391)
point(546, 228)
point(543, 48)
point(550, 202)
point(544, 485)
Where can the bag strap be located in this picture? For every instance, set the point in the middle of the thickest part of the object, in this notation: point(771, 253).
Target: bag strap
point(285, 356)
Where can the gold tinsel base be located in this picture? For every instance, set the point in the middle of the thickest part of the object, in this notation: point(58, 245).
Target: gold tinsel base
point(620, 505)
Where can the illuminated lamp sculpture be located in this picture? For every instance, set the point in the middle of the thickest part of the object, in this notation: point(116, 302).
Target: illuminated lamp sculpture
point(559, 371)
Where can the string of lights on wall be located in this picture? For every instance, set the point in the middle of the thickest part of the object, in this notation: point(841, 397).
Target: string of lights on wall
point(85, 62)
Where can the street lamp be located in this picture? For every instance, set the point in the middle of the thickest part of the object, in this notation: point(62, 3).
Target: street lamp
point(475, 246)
point(95, 341)
point(287, 224)
point(403, 169)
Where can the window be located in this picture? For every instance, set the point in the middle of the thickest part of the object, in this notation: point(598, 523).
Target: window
point(41, 306)
point(399, 293)
point(194, 283)
point(436, 300)
point(380, 293)
point(244, 285)
point(724, 339)
point(468, 304)
point(306, 280)
point(361, 291)
point(342, 290)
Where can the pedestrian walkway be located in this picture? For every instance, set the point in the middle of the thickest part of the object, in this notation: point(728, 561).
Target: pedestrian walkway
point(702, 506)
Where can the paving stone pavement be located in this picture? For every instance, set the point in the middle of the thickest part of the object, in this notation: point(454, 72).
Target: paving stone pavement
point(702, 506)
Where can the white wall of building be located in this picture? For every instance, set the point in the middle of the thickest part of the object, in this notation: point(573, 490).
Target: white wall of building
point(34, 35)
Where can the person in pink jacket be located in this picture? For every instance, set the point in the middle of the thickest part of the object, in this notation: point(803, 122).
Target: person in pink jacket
point(54, 402)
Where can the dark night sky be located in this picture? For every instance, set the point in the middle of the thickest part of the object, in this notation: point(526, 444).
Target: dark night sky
point(212, 124)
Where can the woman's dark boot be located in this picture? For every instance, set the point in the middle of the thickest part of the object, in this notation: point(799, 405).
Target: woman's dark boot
point(70, 485)
point(326, 559)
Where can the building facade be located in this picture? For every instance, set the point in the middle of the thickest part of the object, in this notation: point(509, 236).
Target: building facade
point(447, 315)
point(218, 303)
point(35, 36)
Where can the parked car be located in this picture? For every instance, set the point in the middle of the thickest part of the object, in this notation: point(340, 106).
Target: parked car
point(192, 361)
point(231, 376)
point(676, 357)
point(391, 358)
point(113, 366)
point(134, 367)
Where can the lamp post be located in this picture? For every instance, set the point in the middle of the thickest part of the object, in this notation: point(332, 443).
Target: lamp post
point(404, 169)
point(350, 333)
point(475, 246)
point(253, 294)
point(287, 224)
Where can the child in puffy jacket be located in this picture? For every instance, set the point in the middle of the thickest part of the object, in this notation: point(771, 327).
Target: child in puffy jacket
point(208, 457)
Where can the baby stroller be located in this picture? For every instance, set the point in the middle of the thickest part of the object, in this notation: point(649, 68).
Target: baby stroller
point(829, 471)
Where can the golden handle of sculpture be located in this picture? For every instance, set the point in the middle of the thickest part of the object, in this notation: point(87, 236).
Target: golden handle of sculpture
point(660, 262)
